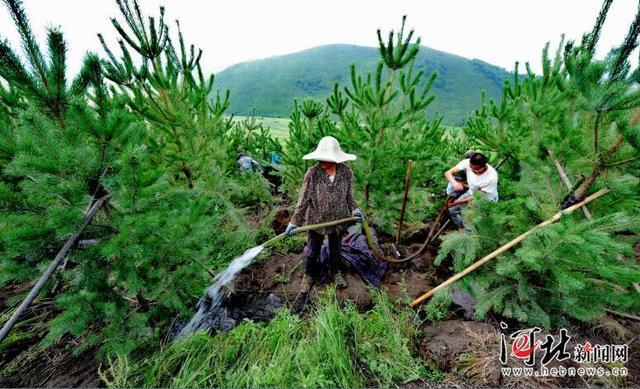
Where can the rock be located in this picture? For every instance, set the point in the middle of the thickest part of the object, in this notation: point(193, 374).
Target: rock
point(462, 301)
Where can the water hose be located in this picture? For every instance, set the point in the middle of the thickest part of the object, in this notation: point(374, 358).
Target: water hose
point(382, 256)
point(367, 231)
point(312, 227)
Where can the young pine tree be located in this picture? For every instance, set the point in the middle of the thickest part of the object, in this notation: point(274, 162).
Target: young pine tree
point(584, 110)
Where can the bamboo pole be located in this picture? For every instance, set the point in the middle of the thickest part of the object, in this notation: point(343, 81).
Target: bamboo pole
point(407, 183)
point(507, 246)
point(52, 267)
point(623, 315)
point(565, 180)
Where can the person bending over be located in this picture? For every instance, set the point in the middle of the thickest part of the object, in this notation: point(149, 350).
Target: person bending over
point(481, 177)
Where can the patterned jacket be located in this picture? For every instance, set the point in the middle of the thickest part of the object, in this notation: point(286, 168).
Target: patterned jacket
point(322, 201)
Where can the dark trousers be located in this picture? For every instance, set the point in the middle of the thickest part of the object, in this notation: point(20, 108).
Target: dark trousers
point(317, 266)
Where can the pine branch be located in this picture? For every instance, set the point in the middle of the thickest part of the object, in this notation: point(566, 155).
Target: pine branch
point(29, 43)
point(57, 79)
point(624, 51)
point(594, 36)
point(12, 70)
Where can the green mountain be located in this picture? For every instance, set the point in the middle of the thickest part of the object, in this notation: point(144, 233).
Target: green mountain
point(270, 85)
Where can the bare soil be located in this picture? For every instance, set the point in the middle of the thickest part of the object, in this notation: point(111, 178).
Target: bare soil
point(280, 275)
point(33, 367)
point(466, 351)
point(56, 367)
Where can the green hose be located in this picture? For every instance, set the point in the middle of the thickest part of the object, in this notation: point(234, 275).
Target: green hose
point(312, 227)
point(368, 234)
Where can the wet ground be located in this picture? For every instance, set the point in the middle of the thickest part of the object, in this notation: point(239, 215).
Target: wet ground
point(57, 367)
point(466, 351)
point(272, 283)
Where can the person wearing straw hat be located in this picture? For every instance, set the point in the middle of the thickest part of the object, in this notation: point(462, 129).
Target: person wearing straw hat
point(326, 195)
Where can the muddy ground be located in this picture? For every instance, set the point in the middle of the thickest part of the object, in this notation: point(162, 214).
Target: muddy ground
point(466, 351)
point(31, 366)
point(281, 274)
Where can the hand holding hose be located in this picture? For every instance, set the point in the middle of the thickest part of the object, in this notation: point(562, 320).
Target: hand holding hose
point(357, 213)
point(291, 230)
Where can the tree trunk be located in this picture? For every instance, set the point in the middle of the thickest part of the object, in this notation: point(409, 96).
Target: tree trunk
point(407, 183)
point(52, 267)
point(600, 168)
point(565, 180)
point(366, 195)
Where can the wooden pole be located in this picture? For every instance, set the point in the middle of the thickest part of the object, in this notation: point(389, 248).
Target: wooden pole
point(429, 239)
point(507, 246)
point(407, 183)
point(624, 315)
point(565, 180)
point(47, 274)
point(503, 160)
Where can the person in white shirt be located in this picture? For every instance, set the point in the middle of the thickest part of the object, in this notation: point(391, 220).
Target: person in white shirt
point(481, 177)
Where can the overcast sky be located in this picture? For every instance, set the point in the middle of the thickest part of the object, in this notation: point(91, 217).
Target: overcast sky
point(496, 31)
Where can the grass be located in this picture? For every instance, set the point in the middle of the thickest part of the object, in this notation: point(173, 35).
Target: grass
point(279, 127)
point(335, 347)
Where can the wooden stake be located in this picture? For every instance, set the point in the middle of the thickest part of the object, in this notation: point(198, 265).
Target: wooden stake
point(507, 246)
point(47, 274)
point(565, 180)
point(429, 239)
point(503, 160)
point(407, 183)
point(624, 315)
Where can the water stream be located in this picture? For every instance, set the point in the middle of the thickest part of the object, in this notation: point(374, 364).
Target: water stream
point(209, 304)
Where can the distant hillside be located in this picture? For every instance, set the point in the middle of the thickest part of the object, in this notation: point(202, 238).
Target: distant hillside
point(270, 85)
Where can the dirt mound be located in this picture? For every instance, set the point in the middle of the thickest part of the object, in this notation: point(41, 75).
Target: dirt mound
point(56, 368)
point(280, 220)
point(444, 342)
point(280, 275)
point(468, 353)
point(23, 363)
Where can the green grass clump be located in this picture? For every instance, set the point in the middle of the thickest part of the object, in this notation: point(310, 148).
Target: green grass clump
point(382, 344)
point(336, 347)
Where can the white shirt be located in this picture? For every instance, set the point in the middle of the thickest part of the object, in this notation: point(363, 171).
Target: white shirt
point(487, 181)
point(331, 178)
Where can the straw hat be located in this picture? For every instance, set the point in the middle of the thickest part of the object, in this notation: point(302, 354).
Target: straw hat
point(329, 150)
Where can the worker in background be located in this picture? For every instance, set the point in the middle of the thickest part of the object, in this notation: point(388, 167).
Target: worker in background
point(481, 177)
point(247, 164)
point(326, 195)
point(272, 172)
point(276, 160)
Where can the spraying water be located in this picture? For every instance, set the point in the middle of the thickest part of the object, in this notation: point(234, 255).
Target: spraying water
point(208, 306)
